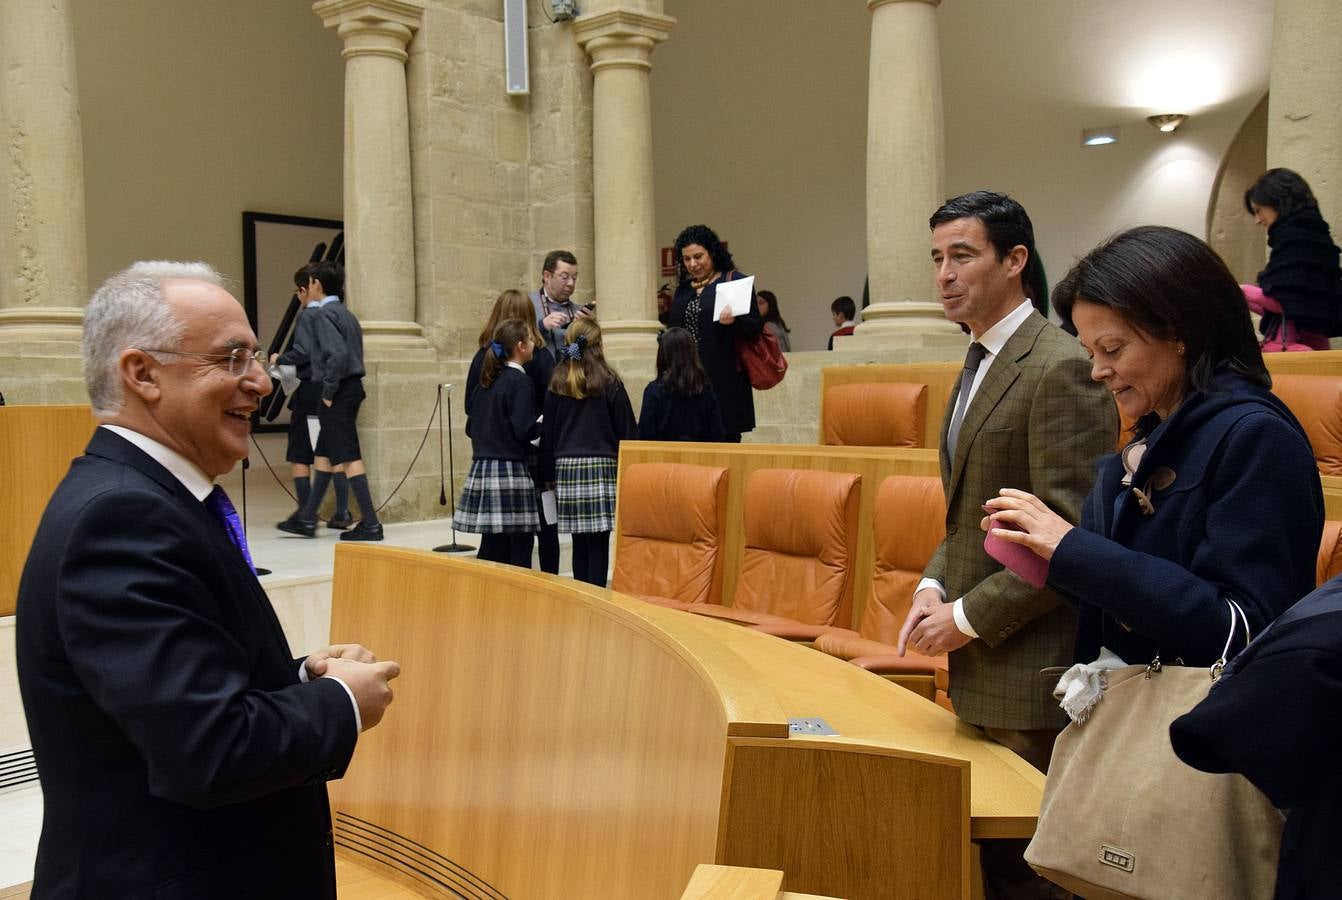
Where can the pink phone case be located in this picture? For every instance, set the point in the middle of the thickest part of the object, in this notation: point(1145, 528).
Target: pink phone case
point(1030, 566)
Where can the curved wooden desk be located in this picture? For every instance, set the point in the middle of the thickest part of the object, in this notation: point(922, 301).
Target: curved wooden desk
point(551, 739)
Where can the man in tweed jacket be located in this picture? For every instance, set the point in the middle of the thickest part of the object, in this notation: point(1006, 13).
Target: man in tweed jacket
point(1034, 420)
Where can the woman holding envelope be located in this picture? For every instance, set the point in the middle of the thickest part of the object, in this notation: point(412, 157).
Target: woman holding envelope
point(704, 265)
point(1216, 497)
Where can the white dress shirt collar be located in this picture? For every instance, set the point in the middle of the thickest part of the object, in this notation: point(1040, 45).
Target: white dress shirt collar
point(995, 338)
point(185, 471)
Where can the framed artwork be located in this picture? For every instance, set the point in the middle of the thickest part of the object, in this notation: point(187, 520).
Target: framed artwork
point(275, 246)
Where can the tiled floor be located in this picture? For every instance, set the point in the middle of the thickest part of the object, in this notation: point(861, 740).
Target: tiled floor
point(287, 556)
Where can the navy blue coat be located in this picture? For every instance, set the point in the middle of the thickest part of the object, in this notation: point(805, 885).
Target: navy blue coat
point(1273, 719)
point(1242, 518)
point(179, 755)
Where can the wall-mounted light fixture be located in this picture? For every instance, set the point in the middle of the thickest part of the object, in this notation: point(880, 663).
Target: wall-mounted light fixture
point(563, 10)
point(1167, 122)
point(1099, 137)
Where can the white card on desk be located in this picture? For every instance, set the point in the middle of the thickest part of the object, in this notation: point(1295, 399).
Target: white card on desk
point(734, 295)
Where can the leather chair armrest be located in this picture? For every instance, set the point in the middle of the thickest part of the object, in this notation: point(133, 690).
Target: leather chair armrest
point(909, 664)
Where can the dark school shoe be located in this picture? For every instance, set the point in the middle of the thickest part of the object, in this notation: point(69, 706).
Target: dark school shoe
point(295, 525)
point(363, 532)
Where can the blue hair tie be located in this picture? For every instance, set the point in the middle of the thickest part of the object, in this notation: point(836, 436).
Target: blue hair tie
point(497, 349)
point(573, 351)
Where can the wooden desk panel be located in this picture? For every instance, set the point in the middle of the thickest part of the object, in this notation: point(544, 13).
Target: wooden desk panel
point(874, 464)
point(548, 734)
point(37, 444)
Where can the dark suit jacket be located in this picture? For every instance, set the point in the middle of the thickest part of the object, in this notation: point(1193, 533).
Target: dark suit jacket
point(178, 753)
point(1038, 423)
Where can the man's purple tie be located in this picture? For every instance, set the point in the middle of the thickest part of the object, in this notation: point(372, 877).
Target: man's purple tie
point(222, 509)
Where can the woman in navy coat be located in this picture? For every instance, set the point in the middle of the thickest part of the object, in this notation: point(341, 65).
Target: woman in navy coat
point(1216, 497)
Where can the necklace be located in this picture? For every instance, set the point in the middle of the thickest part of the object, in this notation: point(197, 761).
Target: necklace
point(700, 285)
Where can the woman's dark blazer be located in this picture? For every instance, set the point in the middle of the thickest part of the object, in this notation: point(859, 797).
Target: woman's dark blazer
point(1240, 517)
point(717, 352)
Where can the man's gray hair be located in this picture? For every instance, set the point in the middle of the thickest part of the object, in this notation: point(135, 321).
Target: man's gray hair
point(128, 311)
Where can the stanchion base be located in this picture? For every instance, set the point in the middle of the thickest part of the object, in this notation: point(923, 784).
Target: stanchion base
point(454, 547)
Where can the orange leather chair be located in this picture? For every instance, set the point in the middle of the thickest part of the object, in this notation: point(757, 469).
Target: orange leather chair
point(875, 415)
point(1316, 401)
point(910, 521)
point(1330, 552)
point(800, 544)
point(673, 523)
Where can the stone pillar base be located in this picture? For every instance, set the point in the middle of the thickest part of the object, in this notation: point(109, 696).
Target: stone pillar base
point(885, 320)
point(635, 338)
point(387, 340)
point(392, 423)
point(40, 368)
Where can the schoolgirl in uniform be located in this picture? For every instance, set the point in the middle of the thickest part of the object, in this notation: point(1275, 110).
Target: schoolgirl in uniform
point(587, 414)
point(498, 501)
point(513, 304)
point(680, 405)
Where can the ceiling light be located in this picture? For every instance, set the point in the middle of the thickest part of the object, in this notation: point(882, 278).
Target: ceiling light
point(1167, 122)
point(1098, 137)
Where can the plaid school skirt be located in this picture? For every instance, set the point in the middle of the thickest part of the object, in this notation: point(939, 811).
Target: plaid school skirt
point(585, 493)
point(499, 497)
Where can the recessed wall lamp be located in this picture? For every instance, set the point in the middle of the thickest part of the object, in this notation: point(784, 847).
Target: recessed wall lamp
point(1167, 122)
point(1098, 137)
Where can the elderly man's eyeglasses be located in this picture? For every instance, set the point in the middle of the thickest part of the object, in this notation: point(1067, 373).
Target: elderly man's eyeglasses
point(237, 362)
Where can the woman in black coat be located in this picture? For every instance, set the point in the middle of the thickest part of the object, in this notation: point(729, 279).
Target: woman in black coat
point(704, 262)
point(1299, 292)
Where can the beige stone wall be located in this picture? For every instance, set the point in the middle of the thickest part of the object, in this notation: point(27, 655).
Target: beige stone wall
point(498, 180)
point(1230, 230)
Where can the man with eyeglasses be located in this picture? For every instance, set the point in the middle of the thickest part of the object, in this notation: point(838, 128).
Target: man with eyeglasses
point(554, 304)
point(182, 750)
point(337, 365)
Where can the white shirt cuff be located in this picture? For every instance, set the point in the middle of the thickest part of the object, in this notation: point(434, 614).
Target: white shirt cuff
point(961, 620)
point(354, 704)
point(931, 583)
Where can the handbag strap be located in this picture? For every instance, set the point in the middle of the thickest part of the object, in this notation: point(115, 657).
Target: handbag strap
point(1236, 616)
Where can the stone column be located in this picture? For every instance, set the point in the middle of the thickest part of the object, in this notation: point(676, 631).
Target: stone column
point(43, 249)
point(619, 39)
point(1304, 119)
point(379, 209)
point(905, 175)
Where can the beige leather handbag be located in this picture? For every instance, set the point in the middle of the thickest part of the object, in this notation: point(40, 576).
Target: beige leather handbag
point(1123, 817)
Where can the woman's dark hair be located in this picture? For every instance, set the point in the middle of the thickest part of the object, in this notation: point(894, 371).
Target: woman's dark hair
point(507, 335)
point(678, 367)
point(773, 315)
point(704, 237)
point(1283, 190)
point(1172, 286)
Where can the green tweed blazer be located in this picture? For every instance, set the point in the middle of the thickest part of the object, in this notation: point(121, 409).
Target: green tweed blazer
point(1038, 423)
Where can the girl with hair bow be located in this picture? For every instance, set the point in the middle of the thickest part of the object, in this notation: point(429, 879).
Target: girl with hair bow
point(498, 501)
point(587, 414)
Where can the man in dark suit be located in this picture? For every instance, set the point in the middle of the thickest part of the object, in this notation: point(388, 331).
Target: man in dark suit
point(183, 751)
point(1026, 415)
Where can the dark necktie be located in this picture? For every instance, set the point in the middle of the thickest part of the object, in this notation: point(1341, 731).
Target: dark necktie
point(972, 360)
point(222, 509)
